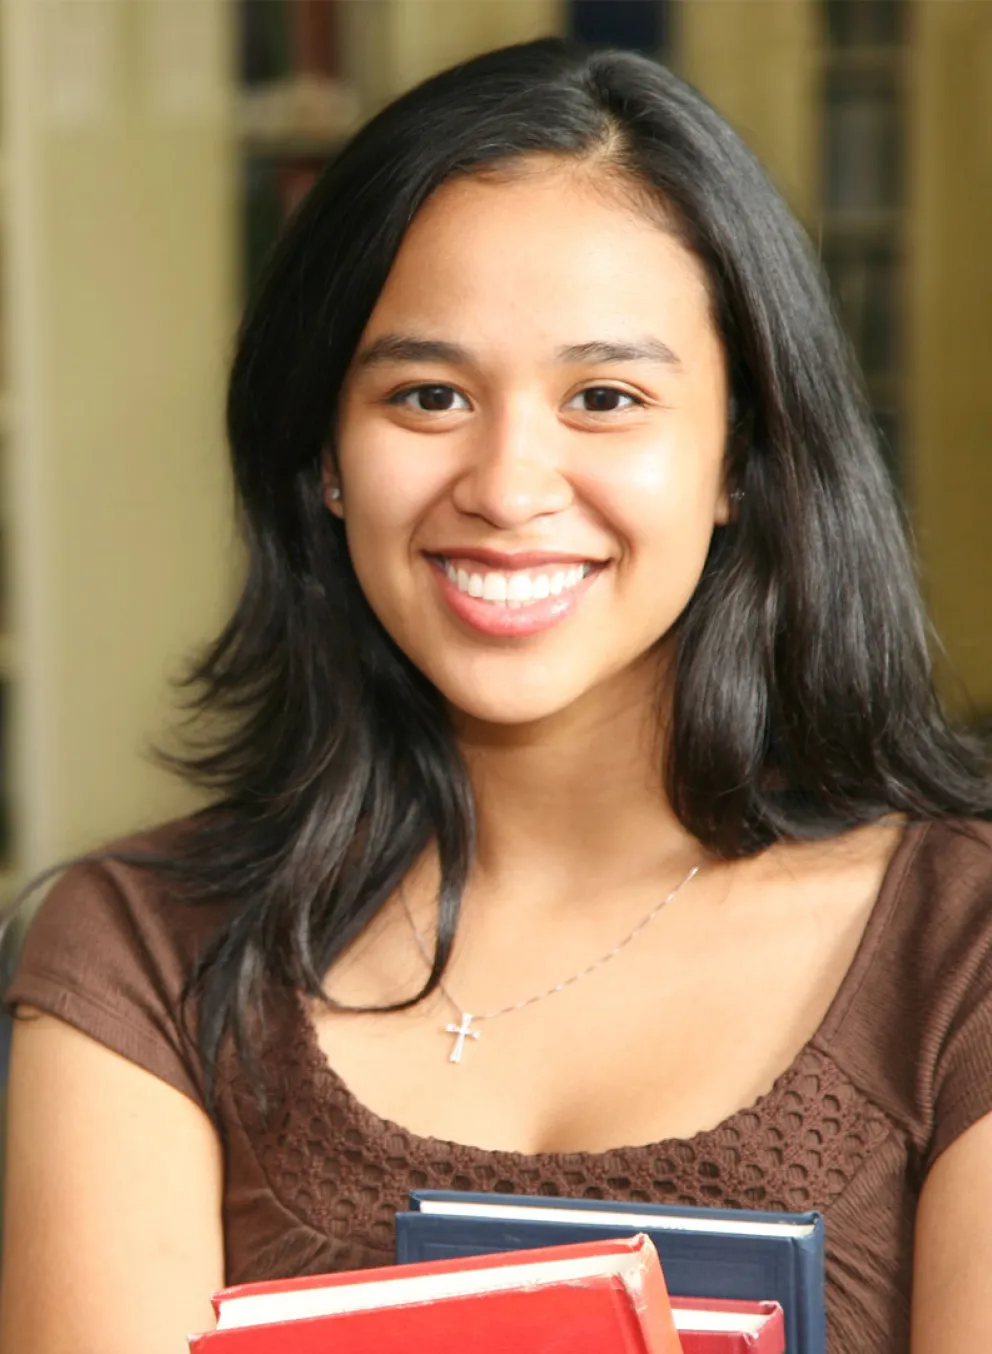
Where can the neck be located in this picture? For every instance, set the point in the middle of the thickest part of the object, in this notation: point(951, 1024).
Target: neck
point(576, 803)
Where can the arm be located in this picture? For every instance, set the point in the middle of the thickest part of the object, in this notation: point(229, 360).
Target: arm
point(952, 1278)
point(113, 1239)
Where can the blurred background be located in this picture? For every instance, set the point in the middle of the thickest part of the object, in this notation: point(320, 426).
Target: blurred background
point(150, 151)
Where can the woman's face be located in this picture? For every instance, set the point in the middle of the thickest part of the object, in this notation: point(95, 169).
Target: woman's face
point(531, 441)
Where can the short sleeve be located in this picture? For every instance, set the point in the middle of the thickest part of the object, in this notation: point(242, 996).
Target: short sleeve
point(962, 1072)
point(912, 1026)
point(109, 952)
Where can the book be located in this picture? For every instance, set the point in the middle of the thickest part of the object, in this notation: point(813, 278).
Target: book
point(316, 45)
point(607, 1297)
point(864, 279)
point(296, 95)
point(709, 1326)
point(863, 150)
point(273, 188)
point(281, 40)
point(735, 1254)
point(265, 44)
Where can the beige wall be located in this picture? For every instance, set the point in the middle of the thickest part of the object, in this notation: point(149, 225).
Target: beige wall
point(756, 61)
point(397, 43)
point(950, 331)
point(432, 34)
point(120, 309)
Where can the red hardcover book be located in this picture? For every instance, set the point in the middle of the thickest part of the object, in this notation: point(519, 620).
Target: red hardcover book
point(716, 1326)
point(316, 38)
point(601, 1297)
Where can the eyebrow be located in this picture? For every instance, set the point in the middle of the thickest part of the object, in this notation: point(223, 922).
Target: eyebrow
point(647, 349)
point(406, 348)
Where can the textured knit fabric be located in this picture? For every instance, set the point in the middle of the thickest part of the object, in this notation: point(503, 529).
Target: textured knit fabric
point(901, 1065)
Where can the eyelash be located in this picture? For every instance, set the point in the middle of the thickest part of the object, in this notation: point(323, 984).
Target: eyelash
point(401, 396)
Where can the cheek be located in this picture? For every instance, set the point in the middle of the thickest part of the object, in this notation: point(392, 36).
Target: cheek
point(388, 484)
point(389, 487)
point(665, 491)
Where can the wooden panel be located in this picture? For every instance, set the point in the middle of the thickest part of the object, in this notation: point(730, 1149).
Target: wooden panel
point(949, 389)
point(757, 62)
point(393, 44)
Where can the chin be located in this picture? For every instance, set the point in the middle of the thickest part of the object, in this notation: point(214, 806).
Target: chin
point(504, 715)
point(502, 706)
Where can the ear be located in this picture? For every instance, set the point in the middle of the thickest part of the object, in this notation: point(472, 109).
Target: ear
point(729, 499)
point(728, 507)
point(331, 482)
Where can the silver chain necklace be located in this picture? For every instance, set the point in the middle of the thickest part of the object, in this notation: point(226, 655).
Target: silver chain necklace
point(463, 1030)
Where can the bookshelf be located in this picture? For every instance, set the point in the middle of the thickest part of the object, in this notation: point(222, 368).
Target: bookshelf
point(297, 99)
point(827, 116)
point(904, 234)
point(864, 101)
point(309, 71)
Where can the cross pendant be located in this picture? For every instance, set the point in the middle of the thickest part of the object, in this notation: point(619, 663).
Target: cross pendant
point(463, 1031)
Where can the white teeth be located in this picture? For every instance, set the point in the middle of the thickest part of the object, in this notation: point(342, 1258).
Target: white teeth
point(518, 588)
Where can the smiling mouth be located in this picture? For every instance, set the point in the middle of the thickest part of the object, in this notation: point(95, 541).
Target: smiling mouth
point(513, 588)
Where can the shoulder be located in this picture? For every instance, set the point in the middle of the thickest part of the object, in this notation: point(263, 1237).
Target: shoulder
point(939, 896)
point(111, 948)
point(913, 1022)
point(954, 855)
point(935, 901)
point(121, 897)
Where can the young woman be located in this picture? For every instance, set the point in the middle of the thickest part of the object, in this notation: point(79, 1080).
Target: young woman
point(579, 683)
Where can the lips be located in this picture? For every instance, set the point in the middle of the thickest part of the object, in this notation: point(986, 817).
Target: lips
point(511, 561)
point(513, 602)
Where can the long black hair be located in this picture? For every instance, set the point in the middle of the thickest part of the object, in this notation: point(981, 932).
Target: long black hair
point(803, 701)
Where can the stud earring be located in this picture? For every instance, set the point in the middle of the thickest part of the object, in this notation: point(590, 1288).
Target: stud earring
point(336, 494)
point(737, 496)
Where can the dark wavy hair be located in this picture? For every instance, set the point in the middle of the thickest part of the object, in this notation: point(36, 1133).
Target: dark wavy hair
point(803, 699)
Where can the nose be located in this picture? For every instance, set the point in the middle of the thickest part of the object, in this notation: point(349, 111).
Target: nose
point(512, 472)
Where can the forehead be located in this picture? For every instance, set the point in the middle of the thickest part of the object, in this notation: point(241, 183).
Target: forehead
point(552, 254)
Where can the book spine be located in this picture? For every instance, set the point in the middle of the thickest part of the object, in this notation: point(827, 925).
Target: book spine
point(862, 149)
point(265, 41)
point(811, 1282)
point(316, 46)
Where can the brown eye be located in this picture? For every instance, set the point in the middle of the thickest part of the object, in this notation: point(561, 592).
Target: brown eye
point(604, 400)
point(431, 399)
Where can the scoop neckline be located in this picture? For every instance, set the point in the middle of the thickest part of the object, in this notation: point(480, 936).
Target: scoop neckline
point(890, 889)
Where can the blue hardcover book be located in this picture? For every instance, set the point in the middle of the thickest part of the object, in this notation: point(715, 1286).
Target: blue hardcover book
point(705, 1252)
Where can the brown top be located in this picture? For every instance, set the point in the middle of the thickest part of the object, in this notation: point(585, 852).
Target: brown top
point(901, 1065)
